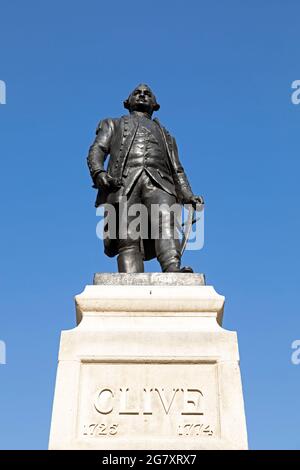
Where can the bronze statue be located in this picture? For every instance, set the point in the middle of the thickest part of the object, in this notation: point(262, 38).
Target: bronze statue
point(144, 168)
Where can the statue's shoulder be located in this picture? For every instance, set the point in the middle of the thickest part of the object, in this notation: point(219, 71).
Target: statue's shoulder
point(165, 130)
point(107, 124)
point(168, 136)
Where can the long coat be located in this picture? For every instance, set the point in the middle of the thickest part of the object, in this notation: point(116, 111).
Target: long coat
point(114, 137)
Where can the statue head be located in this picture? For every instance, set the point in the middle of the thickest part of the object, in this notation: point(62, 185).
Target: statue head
point(142, 99)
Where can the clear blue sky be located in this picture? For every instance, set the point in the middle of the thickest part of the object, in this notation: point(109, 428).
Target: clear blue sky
point(222, 72)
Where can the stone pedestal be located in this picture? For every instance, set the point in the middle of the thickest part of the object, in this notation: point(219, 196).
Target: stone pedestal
point(148, 367)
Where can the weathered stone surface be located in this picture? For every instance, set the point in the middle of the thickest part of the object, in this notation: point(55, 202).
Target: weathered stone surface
point(149, 279)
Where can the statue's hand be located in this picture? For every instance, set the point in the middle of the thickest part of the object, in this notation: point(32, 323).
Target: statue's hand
point(196, 201)
point(103, 180)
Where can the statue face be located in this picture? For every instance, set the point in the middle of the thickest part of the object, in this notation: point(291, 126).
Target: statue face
point(142, 99)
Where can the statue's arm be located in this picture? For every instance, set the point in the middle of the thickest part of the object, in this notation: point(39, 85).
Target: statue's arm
point(100, 148)
point(182, 185)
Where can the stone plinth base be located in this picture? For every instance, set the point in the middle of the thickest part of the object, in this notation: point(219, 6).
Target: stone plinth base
point(148, 367)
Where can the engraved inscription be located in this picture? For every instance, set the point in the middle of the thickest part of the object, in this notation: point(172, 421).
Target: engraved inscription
point(100, 429)
point(127, 401)
point(194, 430)
point(139, 401)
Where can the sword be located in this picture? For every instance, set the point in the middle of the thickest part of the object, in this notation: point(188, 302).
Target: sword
point(191, 220)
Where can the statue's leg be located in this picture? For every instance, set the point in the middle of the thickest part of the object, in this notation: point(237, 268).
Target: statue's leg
point(130, 258)
point(162, 212)
point(168, 254)
point(167, 245)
